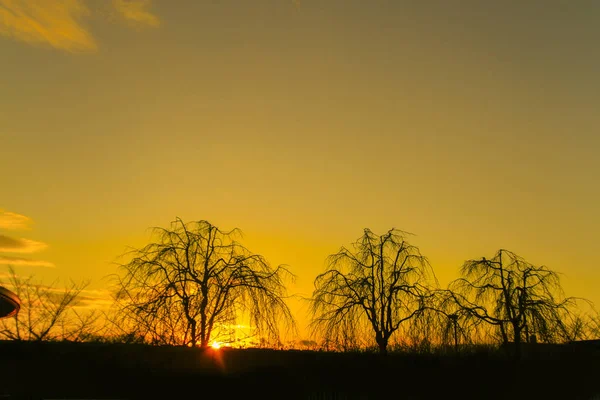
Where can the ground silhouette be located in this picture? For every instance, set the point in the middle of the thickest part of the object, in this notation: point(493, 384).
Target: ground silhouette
point(92, 370)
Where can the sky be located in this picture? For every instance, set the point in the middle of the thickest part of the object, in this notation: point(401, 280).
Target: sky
point(472, 124)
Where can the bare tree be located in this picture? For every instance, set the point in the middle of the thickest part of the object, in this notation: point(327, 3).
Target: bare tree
point(191, 283)
point(370, 289)
point(47, 312)
point(521, 301)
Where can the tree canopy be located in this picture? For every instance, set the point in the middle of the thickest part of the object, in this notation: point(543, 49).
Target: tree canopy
point(371, 288)
point(195, 281)
point(522, 302)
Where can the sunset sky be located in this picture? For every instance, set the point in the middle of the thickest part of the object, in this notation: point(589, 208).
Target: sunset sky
point(474, 125)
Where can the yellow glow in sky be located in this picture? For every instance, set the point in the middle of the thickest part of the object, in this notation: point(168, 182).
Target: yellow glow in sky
point(474, 126)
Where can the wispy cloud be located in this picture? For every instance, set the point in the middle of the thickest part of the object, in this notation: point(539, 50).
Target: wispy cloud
point(95, 299)
point(52, 22)
point(136, 11)
point(13, 221)
point(87, 298)
point(60, 23)
point(16, 261)
point(15, 245)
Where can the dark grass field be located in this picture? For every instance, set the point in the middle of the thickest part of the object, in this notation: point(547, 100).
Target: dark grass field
point(61, 370)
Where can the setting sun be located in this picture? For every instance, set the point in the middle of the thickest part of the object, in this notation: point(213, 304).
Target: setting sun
point(216, 345)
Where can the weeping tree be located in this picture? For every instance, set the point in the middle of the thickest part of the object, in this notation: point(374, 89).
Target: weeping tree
point(522, 302)
point(370, 289)
point(194, 282)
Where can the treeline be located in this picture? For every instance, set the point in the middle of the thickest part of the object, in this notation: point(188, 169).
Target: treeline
point(196, 285)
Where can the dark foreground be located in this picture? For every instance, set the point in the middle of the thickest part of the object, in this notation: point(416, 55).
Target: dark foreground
point(93, 371)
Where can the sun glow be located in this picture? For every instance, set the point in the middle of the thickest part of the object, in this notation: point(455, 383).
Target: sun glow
point(216, 345)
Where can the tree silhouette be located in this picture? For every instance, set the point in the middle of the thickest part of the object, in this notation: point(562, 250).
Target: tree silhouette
point(521, 301)
point(47, 312)
point(194, 281)
point(370, 289)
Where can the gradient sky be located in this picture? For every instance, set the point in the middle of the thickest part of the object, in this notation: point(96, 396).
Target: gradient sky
point(473, 124)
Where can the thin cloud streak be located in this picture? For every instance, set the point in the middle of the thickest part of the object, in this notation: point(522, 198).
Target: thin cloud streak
point(59, 23)
point(13, 221)
point(14, 245)
point(136, 11)
point(104, 301)
point(54, 23)
point(87, 298)
point(16, 261)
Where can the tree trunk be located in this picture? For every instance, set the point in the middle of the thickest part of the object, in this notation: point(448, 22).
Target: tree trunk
point(517, 343)
point(194, 334)
point(204, 331)
point(455, 335)
point(382, 343)
point(504, 335)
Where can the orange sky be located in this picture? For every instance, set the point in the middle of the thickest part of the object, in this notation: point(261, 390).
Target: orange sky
point(472, 124)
